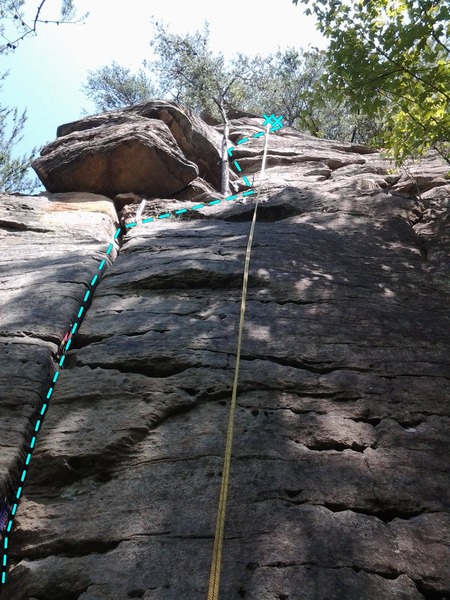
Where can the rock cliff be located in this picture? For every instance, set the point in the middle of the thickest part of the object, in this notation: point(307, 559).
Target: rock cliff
point(118, 340)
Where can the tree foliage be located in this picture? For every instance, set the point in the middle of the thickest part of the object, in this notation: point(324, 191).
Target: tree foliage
point(288, 82)
point(13, 171)
point(15, 25)
point(115, 86)
point(188, 72)
point(390, 61)
point(192, 74)
point(293, 82)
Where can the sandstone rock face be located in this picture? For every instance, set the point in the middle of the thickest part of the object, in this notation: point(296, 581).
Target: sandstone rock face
point(339, 484)
point(92, 153)
point(200, 144)
point(49, 248)
point(116, 155)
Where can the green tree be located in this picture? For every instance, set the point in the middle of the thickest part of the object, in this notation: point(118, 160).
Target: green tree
point(196, 77)
point(186, 71)
point(289, 83)
point(293, 78)
point(112, 87)
point(15, 25)
point(293, 83)
point(390, 61)
point(13, 171)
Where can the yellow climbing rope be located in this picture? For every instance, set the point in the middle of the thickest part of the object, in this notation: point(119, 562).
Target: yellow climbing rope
point(214, 580)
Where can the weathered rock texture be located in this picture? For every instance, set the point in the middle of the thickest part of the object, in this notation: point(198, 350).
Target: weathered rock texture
point(339, 485)
point(116, 156)
point(49, 249)
point(155, 148)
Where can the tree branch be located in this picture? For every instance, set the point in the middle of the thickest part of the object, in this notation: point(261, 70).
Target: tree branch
point(37, 14)
point(404, 68)
point(405, 109)
point(225, 91)
point(433, 34)
point(369, 81)
point(33, 30)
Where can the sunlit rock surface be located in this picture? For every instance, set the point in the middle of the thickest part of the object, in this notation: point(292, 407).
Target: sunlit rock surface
point(50, 246)
point(339, 482)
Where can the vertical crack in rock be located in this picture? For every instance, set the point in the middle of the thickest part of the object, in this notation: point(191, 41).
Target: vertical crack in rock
point(33, 360)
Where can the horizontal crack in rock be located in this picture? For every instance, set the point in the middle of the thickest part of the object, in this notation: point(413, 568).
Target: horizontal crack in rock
point(19, 226)
point(56, 591)
point(284, 565)
point(159, 367)
point(305, 365)
point(66, 548)
point(380, 512)
point(430, 591)
point(321, 446)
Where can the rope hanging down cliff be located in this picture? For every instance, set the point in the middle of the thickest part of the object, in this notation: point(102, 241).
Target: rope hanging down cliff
point(214, 581)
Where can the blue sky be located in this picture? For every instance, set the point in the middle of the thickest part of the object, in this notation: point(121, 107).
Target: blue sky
point(47, 71)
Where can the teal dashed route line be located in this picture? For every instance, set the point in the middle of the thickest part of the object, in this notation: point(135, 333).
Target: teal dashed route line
point(275, 123)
